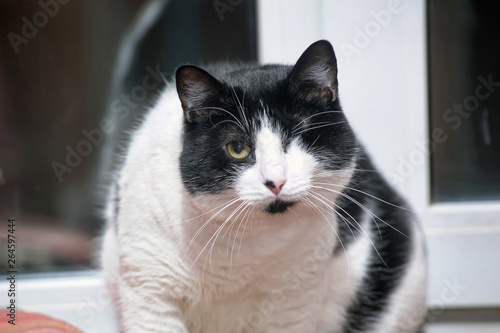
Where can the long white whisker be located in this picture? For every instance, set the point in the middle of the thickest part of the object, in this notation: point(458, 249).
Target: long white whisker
point(349, 224)
point(362, 230)
point(237, 230)
point(244, 228)
point(207, 222)
point(242, 206)
point(314, 115)
point(370, 195)
point(225, 233)
point(226, 111)
point(313, 125)
point(357, 203)
point(319, 126)
point(198, 216)
point(364, 208)
point(214, 237)
point(319, 209)
point(219, 230)
point(240, 108)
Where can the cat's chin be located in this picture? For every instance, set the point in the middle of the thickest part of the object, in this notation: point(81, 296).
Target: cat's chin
point(279, 206)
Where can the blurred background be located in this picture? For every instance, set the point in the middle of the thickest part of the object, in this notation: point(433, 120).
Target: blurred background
point(419, 80)
point(57, 83)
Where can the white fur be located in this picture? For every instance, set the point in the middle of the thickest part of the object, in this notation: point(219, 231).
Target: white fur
point(170, 270)
point(271, 160)
point(296, 167)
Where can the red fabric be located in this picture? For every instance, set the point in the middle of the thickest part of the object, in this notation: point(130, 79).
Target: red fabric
point(34, 323)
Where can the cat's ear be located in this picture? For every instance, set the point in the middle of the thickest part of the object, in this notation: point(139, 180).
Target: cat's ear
point(198, 91)
point(314, 76)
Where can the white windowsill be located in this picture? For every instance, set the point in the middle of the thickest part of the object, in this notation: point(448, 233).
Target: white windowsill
point(79, 298)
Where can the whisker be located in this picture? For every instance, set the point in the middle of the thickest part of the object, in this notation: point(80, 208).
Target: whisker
point(244, 228)
point(209, 255)
point(319, 209)
point(314, 124)
point(363, 231)
point(203, 214)
point(349, 224)
point(360, 205)
point(226, 111)
point(206, 223)
point(239, 106)
point(227, 121)
point(237, 230)
point(315, 115)
point(370, 195)
point(364, 208)
point(320, 126)
point(218, 231)
point(243, 205)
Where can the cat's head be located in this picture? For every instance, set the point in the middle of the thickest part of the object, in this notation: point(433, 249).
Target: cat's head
point(269, 137)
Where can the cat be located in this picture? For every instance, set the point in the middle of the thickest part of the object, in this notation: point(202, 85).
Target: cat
point(245, 203)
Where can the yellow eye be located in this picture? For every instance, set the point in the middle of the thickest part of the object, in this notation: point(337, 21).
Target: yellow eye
point(238, 150)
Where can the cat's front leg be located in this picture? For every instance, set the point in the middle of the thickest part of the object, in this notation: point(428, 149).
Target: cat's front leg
point(150, 292)
point(144, 307)
point(142, 312)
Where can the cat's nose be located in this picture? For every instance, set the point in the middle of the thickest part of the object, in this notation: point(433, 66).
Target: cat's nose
point(275, 186)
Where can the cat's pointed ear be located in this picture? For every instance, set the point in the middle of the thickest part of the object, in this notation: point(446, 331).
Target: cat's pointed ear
point(198, 91)
point(314, 76)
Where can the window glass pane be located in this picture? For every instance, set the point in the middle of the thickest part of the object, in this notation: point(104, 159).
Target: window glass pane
point(464, 73)
point(56, 85)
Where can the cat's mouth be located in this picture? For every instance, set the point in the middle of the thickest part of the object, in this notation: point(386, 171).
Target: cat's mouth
point(279, 206)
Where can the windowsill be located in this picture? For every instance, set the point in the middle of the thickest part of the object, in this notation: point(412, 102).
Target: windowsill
point(79, 298)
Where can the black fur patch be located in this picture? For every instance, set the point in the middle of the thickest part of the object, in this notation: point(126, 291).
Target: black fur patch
point(279, 206)
point(391, 235)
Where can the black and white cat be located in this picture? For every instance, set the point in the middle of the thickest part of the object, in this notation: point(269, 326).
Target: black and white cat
point(246, 204)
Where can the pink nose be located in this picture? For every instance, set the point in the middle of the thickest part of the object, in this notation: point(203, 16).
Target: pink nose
point(275, 186)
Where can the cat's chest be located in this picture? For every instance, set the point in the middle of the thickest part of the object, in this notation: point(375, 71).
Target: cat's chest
point(273, 313)
point(284, 300)
point(284, 292)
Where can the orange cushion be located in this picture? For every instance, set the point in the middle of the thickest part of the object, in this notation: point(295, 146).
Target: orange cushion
point(34, 323)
